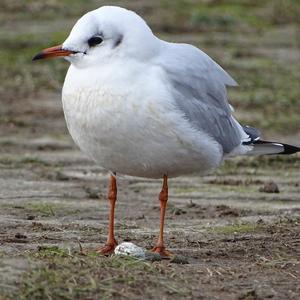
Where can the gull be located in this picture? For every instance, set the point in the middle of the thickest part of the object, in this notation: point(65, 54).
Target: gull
point(141, 106)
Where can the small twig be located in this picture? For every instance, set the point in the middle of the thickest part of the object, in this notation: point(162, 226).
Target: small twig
point(218, 272)
point(291, 274)
point(81, 252)
point(209, 272)
point(51, 211)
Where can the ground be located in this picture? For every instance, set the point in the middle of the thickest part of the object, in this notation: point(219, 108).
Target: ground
point(236, 229)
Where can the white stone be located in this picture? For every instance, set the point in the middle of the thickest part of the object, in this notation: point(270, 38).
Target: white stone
point(130, 249)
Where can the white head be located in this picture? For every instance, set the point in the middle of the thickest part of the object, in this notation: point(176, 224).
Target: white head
point(104, 34)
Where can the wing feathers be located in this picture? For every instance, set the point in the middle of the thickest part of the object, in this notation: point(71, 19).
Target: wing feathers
point(198, 86)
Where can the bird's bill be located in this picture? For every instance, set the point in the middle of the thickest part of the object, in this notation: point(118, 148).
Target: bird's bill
point(55, 51)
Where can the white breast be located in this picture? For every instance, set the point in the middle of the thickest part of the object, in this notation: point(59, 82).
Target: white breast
point(131, 126)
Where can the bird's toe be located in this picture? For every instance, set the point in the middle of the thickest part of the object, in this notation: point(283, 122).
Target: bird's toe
point(162, 251)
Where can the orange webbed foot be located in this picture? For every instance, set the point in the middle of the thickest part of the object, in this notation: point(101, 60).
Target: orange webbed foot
point(162, 251)
point(108, 248)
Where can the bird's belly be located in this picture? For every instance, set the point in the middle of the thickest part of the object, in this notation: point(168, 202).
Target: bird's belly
point(137, 138)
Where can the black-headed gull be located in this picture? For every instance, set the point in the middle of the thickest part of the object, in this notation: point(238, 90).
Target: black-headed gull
point(140, 106)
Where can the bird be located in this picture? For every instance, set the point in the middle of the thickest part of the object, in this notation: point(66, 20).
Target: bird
point(141, 106)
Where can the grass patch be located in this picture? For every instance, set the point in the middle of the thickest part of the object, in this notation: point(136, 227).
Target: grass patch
point(44, 209)
point(185, 190)
point(50, 252)
point(260, 164)
point(62, 276)
point(17, 161)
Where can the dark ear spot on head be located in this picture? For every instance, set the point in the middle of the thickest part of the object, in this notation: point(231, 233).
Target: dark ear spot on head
point(118, 41)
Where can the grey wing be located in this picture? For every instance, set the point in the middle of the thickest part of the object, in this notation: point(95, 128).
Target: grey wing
point(198, 85)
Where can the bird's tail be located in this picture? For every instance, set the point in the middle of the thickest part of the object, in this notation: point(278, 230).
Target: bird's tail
point(260, 147)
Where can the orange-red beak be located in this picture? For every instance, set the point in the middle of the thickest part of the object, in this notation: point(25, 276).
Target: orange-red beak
point(53, 52)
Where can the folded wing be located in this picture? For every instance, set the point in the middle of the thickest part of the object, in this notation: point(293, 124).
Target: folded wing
point(198, 85)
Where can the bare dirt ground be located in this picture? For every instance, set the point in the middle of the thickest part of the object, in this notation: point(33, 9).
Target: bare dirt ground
point(239, 236)
point(240, 243)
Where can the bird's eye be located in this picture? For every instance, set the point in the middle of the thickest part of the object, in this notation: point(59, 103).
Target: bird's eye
point(95, 40)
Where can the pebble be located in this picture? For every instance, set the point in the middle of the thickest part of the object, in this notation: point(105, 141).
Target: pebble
point(179, 259)
point(130, 249)
point(150, 256)
point(269, 187)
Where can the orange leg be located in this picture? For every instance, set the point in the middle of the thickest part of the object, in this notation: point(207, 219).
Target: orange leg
point(112, 197)
point(163, 198)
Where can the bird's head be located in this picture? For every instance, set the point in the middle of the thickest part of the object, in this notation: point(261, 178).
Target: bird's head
point(101, 35)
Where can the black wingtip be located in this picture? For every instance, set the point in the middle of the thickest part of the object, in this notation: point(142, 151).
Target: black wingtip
point(287, 149)
point(38, 56)
point(290, 149)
